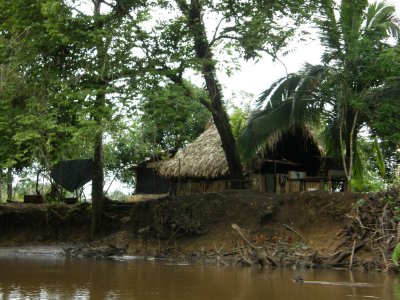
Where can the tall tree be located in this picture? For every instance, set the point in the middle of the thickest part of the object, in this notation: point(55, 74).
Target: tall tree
point(29, 62)
point(76, 64)
point(104, 62)
point(185, 41)
point(193, 13)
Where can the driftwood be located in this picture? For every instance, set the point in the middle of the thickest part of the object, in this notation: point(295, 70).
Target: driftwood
point(352, 254)
point(350, 284)
point(253, 255)
point(296, 232)
point(220, 254)
point(338, 257)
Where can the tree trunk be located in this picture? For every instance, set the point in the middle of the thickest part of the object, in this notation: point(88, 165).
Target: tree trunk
point(1, 185)
point(97, 185)
point(9, 184)
point(204, 53)
point(98, 116)
point(349, 140)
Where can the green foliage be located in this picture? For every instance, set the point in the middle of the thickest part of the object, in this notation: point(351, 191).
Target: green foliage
point(126, 148)
point(61, 65)
point(172, 116)
point(168, 120)
point(396, 255)
point(262, 26)
point(68, 76)
point(238, 119)
point(339, 92)
point(392, 200)
point(29, 99)
point(379, 157)
point(372, 180)
point(26, 185)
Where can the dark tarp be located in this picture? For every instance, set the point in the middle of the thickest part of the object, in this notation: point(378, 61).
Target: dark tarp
point(72, 174)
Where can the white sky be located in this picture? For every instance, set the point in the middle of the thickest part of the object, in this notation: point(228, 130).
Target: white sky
point(254, 78)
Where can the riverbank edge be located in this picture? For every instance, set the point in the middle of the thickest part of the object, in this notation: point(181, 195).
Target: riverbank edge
point(159, 230)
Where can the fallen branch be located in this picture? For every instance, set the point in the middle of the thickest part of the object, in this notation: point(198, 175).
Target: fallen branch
point(336, 258)
point(296, 232)
point(352, 254)
point(219, 255)
point(257, 257)
point(350, 284)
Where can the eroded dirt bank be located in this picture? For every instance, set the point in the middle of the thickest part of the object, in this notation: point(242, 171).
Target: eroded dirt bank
point(313, 229)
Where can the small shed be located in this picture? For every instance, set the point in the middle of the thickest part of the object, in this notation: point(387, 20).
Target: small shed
point(199, 167)
point(148, 180)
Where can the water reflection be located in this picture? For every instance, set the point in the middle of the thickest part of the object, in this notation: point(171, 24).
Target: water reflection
point(396, 288)
point(54, 278)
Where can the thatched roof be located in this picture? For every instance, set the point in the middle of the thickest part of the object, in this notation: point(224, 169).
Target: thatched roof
point(292, 144)
point(203, 158)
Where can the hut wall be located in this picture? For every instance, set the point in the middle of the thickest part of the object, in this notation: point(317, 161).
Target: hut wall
point(149, 182)
point(313, 186)
point(294, 186)
point(264, 183)
point(195, 187)
point(256, 182)
point(282, 184)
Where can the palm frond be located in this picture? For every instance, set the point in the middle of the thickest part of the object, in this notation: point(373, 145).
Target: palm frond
point(379, 157)
point(279, 91)
point(351, 19)
point(293, 86)
point(329, 30)
point(381, 16)
point(358, 164)
point(330, 136)
point(264, 97)
point(288, 102)
point(264, 123)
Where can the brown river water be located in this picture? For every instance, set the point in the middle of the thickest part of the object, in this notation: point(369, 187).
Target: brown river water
point(27, 276)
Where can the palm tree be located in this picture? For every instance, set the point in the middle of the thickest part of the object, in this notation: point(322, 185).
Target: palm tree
point(354, 34)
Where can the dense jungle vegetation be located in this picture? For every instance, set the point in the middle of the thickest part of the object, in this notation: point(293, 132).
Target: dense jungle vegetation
point(123, 81)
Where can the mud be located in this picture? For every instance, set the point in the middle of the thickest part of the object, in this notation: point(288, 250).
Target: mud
point(312, 230)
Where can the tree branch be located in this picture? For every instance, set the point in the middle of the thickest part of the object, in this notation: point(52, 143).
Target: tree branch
point(221, 37)
point(183, 6)
point(214, 39)
point(206, 103)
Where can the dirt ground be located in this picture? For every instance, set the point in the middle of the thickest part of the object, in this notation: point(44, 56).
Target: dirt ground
point(311, 229)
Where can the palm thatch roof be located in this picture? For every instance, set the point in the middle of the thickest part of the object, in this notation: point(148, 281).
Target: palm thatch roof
point(297, 144)
point(205, 158)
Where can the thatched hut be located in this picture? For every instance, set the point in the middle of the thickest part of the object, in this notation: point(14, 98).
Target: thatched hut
point(203, 158)
point(285, 161)
point(200, 166)
point(288, 162)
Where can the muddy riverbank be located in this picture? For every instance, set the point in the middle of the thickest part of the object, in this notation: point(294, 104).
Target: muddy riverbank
point(311, 230)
